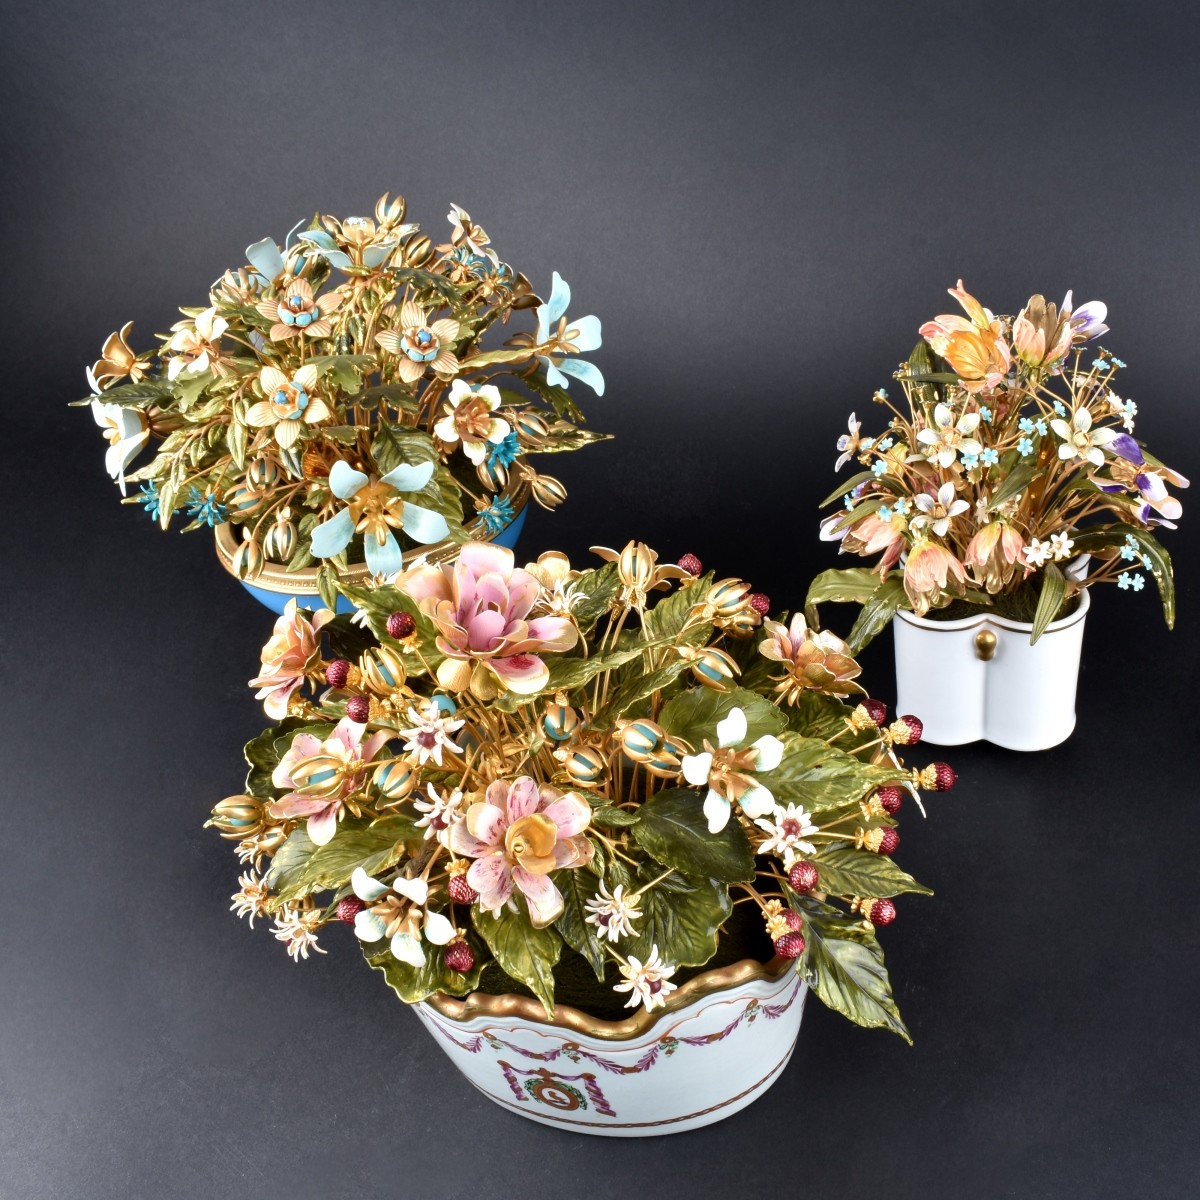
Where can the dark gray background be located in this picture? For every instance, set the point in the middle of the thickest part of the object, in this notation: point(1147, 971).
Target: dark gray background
point(762, 203)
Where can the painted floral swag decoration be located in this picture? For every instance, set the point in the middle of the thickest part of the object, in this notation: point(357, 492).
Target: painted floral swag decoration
point(336, 398)
point(488, 764)
point(1011, 456)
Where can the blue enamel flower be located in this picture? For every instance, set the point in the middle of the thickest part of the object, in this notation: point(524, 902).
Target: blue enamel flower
point(498, 515)
point(1025, 447)
point(990, 457)
point(206, 509)
point(562, 341)
point(504, 452)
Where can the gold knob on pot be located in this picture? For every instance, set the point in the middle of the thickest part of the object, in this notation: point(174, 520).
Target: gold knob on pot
point(985, 645)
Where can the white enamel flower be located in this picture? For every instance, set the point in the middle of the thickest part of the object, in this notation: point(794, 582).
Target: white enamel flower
point(938, 511)
point(1038, 553)
point(1079, 439)
point(852, 443)
point(613, 913)
point(430, 734)
point(439, 812)
point(647, 982)
point(396, 912)
point(126, 431)
point(786, 829)
point(1061, 546)
point(251, 900)
point(297, 930)
point(950, 438)
point(729, 768)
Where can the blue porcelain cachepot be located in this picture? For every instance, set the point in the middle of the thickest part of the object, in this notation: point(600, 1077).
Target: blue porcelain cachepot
point(274, 586)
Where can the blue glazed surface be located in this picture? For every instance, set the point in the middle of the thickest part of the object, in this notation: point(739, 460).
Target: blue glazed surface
point(277, 601)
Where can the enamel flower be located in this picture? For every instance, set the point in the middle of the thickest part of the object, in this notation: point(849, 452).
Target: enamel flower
point(293, 649)
point(194, 345)
point(613, 913)
point(728, 770)
point(481, 606)
point(399, 912)
point(430, 733)
point(116, 361)
point(648, 983)
point(297, 313)
point(126, 431)
point(852, 443)
point(289, 404)
point(1038, 553)
point(439, 813)
point(786, 830)
point(949, 438)
point(816, 660)
point(557, 341)
point(469, 418)
point(518, 834)
point(419, 345)
point(323, 775)
point(1061, 546)
point(297, 928)
point(374, 507)
point(938, 511)
point(1079, 439)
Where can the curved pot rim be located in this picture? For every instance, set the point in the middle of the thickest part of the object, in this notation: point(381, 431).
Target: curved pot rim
point(274, 577)
point(1077, 568)
point(707, 983)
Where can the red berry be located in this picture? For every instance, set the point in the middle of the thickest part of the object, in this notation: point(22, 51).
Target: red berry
point(890, 798)
point(791, 945)
point(348, 908)
point(462, 891)
point(794, 919)
point(358, 708)
point(400, 625)
point(876, 710)
point(945, 777)
point(883, 912)
point(907, 730)
point(891, 839)
point(803, 877)
point(460, 957)
point(337, 673)
point(691, 564)
point(761, 603)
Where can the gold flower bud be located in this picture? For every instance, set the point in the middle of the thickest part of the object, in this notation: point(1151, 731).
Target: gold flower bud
point(530, 426)
point(389, 211)
point(271, 839)
point(262, 473)
point(244, 501)
point(161, 422)
point(237, 817)
point(396, 780)
point(585, 765)
point(667, 761)
point(561, 722)
point(727, 598)
point(492, 475)
point(711, 666)
point(742, 624)
point(547, 491)
point(416, 250)
point(247, 561)
point(639, 740)
point(320, 775)
point(382, 670)
point(281, 539)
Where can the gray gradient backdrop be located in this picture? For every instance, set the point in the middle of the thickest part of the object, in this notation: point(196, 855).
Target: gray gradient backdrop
point(762, 203)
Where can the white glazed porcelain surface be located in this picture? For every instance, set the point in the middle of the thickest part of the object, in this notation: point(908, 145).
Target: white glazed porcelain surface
point(1023, 698)
point(693, 1066)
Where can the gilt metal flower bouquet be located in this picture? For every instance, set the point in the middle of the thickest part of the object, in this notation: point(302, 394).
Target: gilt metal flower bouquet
point(344, 398)
point(1010, 457)
point(506, 779)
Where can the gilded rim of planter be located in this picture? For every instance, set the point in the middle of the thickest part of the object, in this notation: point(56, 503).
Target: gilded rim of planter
point(708, 983)
point(274, 577)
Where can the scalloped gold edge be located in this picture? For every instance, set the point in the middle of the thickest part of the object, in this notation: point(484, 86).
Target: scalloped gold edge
point(480, 1004)
point(275, 578)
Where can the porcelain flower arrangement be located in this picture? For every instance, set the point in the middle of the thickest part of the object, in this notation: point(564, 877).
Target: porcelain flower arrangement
point(350, 395)
point(1009, 456)
point(496, 775)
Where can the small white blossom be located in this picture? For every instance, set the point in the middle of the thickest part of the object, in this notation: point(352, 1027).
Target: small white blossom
point(1038, 553)
point(430, 734)
point(613, 913)
point(251, 901)
point(439, 812)
point(1061, 546)
point(298, 931)
point(938, 511)
point(647, 982)
point(786, 830)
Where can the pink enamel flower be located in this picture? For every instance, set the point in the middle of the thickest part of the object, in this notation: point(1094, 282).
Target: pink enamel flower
point(323, 775)
point(294, 647)
point(480, 605)
point(517, 834)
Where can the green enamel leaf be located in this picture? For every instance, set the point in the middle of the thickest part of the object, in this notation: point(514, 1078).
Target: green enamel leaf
point(523, 952)
point(578, 887)
point(877, 612)
point(1111, 537)
point(1050, 599)
point(682, 917)
point(413, 984)
point(854, 585)
point(843, 964)
point(845, 871)
point(674, 831)
point(820, 777)
point(693, 715)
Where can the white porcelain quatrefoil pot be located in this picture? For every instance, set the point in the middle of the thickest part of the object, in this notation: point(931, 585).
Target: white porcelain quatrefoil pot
point(721, 1040)
point(980, 678)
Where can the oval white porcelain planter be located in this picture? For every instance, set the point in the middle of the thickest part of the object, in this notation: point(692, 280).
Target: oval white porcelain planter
point(1022, 697)
point(704, 1057)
